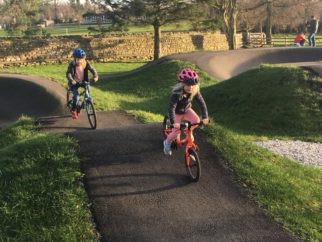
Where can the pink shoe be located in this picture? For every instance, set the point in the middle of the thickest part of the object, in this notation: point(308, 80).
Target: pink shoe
point(74, 114)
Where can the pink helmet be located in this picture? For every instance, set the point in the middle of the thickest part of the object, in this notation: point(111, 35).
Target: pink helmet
point(188, 76)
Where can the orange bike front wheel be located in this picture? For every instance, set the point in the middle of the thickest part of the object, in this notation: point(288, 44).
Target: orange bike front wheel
point(193, 165)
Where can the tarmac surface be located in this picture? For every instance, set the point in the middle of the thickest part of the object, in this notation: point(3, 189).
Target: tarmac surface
point(223, 65)
point(29, 95)
point(139, 194)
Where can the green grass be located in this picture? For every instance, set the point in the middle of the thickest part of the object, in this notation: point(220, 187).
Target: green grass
point(68, 29)
point(270, 102)
point(291, 193)
point(277, 102)
point(288, 40)
point(42, 197)
point(57, 72)
point(82, 29)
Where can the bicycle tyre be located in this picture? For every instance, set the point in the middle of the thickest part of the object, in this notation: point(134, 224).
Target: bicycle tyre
point(194, 167)
point(165, 125)
point(69, 99)
point(91, 114)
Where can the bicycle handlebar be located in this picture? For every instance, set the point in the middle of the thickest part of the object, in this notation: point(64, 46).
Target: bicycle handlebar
point(188, 125)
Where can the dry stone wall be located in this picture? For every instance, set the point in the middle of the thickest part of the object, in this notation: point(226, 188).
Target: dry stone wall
point(114, 47)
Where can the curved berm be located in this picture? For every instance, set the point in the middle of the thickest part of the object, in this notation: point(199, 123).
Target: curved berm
point(32, 96)
point(223, 65)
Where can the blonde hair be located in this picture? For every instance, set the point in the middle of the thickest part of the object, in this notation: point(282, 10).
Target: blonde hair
point(179, 89)
point(82, 61)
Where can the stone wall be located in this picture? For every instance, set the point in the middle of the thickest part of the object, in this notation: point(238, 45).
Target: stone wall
point(114, 47)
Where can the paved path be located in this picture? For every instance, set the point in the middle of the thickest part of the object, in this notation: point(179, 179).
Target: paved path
point(139, 194)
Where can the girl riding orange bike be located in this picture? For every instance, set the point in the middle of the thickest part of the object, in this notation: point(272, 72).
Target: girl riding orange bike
point(180, 105)
point(77, 75)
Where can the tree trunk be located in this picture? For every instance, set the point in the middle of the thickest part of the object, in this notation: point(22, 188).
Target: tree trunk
point(269, 22)
point(229, 11)
point(157, 39)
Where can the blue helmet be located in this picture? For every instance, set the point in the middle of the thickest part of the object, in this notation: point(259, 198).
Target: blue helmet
point(79, 53)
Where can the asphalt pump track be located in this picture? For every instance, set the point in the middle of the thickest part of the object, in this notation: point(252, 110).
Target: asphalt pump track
point(136, 192)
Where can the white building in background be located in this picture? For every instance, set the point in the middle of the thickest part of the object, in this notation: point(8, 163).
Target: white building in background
point(97, 18)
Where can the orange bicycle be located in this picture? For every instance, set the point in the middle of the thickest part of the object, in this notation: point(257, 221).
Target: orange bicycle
point(192, 160)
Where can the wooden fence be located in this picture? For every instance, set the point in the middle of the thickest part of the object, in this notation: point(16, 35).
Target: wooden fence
point(289, 41)
point(257, 40)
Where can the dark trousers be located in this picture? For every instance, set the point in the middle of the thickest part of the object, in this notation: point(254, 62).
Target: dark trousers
point(74, 89)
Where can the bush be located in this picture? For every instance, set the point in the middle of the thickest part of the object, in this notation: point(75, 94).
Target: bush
point(36, 31)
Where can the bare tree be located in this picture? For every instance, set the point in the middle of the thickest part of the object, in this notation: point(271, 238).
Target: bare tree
point(284, 13)
point(228, 11)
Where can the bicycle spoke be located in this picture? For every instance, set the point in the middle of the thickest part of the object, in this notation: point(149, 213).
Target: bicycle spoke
point(91, 114)
point(194, 167)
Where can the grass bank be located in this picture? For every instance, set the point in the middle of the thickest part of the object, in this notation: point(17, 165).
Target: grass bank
point(274, 102)
point(57, 72)
point(270, 102)
point(42, 198)
point(82, 29)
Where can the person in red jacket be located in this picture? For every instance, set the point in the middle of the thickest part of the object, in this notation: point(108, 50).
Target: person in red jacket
point(299, 40)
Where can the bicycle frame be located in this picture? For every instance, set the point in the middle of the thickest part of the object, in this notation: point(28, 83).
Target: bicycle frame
point(84, 93)
point(185, 129)
point(192, 161)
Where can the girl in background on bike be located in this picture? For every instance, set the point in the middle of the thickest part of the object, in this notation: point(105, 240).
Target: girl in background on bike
point(77, 74)
point(179, 107)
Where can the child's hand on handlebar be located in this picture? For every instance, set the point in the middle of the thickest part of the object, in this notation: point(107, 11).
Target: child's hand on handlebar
point(94, 79)
point(176, 125)
point(205, 121)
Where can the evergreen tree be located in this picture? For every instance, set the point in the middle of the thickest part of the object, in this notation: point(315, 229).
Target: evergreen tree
point(153, 12)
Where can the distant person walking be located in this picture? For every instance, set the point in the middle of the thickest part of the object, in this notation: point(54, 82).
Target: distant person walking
point(299, 39)
point(312, 27)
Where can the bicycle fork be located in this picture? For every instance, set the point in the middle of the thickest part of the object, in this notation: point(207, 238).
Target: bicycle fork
point(187, 154)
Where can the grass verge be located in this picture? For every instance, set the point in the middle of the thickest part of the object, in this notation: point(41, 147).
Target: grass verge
point(289, 192)
point(42, 198)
